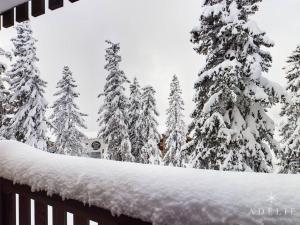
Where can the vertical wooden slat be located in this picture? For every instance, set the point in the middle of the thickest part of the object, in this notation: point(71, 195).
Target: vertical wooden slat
point(1, 199)
point(55, 4)
point(37, 7)
point(41, 213)
point(22, 12)
point(59, 216)
point(24, 210)
point(8, 18)
point(7, 206)
point(80, 220)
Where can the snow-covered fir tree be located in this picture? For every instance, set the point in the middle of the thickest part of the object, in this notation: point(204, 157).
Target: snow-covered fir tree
point(67, 120)
point(6, 55)
point(290, 131)
point(134, 112)
point(147, 128)
point(4, 93)
point(231, 128)
point(28, 123)
point(176, 128)
point(113, 115)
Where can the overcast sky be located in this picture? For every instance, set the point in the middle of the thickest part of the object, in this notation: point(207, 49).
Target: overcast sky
point(154, 37)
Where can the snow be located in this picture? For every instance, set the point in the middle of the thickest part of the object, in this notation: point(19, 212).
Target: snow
point(5, 5)
point(162, 195)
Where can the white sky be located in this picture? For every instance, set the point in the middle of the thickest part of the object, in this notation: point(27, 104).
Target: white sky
point(154, 37)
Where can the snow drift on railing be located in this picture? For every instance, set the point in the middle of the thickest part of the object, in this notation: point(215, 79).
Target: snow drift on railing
point(162, 195)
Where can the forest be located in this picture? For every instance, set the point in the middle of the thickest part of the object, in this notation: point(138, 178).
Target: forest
point(230, 129)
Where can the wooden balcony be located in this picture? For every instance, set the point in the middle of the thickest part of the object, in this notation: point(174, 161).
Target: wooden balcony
point(18, 10)
point(123, 193)
point(83, 214)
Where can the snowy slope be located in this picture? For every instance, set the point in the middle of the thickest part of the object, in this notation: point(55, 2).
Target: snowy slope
point(8, 4)
point(163, 195)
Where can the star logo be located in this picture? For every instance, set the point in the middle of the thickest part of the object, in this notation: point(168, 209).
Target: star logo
point(271, 198)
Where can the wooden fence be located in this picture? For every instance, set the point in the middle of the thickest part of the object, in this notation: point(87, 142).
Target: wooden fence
point(82, 213)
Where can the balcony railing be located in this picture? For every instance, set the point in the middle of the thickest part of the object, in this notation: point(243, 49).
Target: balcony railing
point(120, 193)
point(82, 213)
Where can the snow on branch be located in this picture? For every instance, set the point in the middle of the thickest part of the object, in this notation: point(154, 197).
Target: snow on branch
point(162, 195)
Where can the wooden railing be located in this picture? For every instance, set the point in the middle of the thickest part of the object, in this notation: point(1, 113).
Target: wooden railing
point(82, 214)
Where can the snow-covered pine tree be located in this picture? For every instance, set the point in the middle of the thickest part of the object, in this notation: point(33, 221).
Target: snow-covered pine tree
point(4, 93)
point(66, 119)
point(29, 123)
point(147, 128)
point(231, 128)
point(290, 131)
point(6, 55)
point(176, 128)
point(113, 117)
point(134, 112)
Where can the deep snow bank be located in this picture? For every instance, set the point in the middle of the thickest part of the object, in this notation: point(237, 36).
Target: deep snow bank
point(163, 195)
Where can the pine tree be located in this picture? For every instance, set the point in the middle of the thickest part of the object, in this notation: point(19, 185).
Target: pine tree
point(4, 93)
point(290, 131)
point(134, 112)
point(7, 55)
point(147, 128)
point(232, 130)
point(66, 119)
point(113, 117)
point(176, 128)
point(29, 123)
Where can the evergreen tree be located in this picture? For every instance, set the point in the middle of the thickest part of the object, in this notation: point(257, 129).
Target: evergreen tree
point(176, 128)
point(4, 93)
point(147, 128)
point(232, 130)
point(134, 112)
point(290, 131)
point(66, 119)
point(6, 55)
point(113, 117)
point(29, 123)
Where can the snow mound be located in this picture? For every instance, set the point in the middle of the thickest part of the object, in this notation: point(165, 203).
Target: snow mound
point(162, 195)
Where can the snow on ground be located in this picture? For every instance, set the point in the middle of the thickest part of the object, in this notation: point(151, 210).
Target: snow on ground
point(91, 134)
point(162, 195)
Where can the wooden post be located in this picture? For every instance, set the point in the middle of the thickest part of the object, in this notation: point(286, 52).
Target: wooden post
point(37, 7)
point(22, 12)
point(24, 210)
point(8, 18)
point(1, 202)
point(59, 216)
point(7, 204)
point(41, 213)
point(55, 4)
point(80, 220)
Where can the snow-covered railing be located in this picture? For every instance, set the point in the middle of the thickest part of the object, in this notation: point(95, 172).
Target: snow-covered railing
point(112, 192)
point(82, 213)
